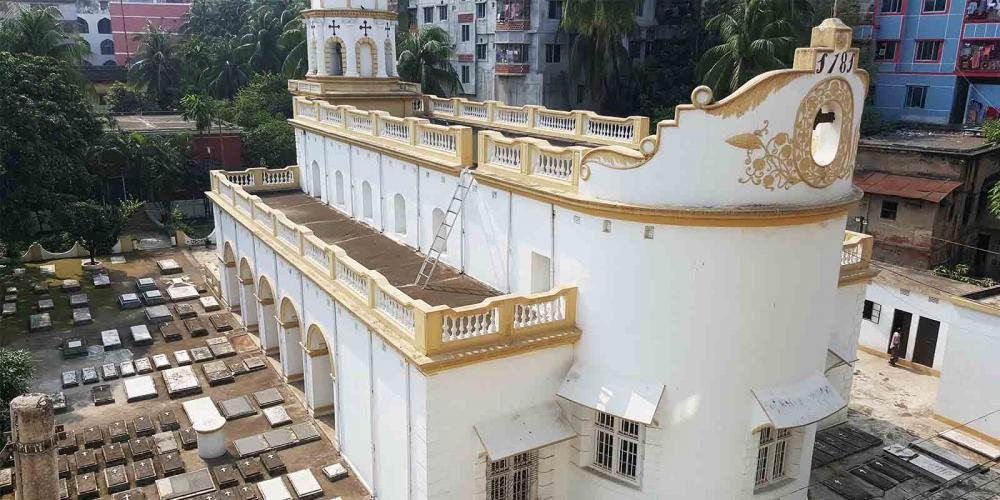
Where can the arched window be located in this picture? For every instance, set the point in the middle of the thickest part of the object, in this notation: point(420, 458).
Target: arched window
point(86, 44)
point(81, 26)
point(334, 57)
point(399, 213)
point(366, 200)
point(340, 187)
point(107, 47)
point(437, 219)
point(104, 26)
point(366, 58)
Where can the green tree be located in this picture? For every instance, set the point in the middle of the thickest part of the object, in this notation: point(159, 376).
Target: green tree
point(264, 99)
point(755, 36)
point(215, 18)
point(16, 371)
point(123, 98)
point(424, 58)
point(270, 144)
point(260, 44)
point(598, 31)
point(293, 42)
point(991, 135)
point(47, 127)
point(198, 109)
point(38, 31)
point(159, 163)
point(97, 225)
point(224, 73)
point(156, 69)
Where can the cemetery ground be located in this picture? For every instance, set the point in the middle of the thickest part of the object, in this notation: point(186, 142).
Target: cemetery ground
point(81, 416)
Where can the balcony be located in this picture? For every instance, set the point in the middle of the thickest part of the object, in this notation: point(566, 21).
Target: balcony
point(337, 86)
point(979, 57)
point(513, 15)
point(983, 14)
point(512, 59)
point(856, 257)
point(372, 275)
point(511, 69)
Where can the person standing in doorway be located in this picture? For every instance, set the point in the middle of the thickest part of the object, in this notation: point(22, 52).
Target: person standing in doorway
point(894, 347)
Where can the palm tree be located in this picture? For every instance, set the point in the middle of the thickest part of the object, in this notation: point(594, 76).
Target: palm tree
point(260, 42)
point(424, 59)
point(599, 30)
point(293, 41)
point(755, 35)
point(38, 31)
point(156, 67)
point(224, 74)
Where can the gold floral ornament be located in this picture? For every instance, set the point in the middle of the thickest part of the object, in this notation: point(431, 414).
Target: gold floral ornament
point(818, 152)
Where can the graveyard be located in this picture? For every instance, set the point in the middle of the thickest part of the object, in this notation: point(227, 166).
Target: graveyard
point(159, 392)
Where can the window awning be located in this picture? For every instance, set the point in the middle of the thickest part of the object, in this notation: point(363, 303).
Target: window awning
point(523, 431)
point(803, 403)
point(609, 392)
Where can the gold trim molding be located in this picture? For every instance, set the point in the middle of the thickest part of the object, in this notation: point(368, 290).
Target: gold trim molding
point(352, 13)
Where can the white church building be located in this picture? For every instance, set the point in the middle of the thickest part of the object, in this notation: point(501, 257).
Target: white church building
point(480, 313)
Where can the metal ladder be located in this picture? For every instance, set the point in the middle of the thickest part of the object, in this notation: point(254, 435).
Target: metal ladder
point(444, 230)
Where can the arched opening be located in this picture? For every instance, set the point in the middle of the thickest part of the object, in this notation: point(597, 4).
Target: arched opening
point(399, 214)
point(111, 62)
point(390, 58)
point(317, 373)
point(366, 200)
point(317, 181)
point(334, 57)
point(104, 26)
point(289, 336)
point(230, 280)
point(437, 219)
point(107, 47)
point(268, 329)
point(82, 27)
point(248, 313)
point(339, 179)
point(366, 58)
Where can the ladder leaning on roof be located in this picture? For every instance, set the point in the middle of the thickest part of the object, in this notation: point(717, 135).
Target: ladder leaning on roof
point(444, 230)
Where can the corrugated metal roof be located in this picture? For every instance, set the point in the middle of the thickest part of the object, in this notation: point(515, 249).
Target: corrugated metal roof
point(904, 186)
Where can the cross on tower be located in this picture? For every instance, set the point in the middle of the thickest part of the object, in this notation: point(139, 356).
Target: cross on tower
point(365, 27)
point(388, 28)
point(333, 27)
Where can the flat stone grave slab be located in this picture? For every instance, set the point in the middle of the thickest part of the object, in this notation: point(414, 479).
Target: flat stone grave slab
point(10, 289)
point(182, 357)
point(40, 288)
point(972, 443)
point(143, 471)
point(9, 309)
point(39, 322)
point(114, 453)
point(70, 379)
point(165, 442)
point(168, 420)
point(46, 304)
point(237, 367)
point(110, 339)
point(142, 365)
point(126, 368)
point(250, 468)
point(848, 487)
point(222, 322)
point(886, 468)
point(129, 301)
point(272, 463)
point(62, 465)
point(63, 489)
point(67, 443)
point(226, 475)
point(274, 489)
point(118, 259)
point(268, 397)
point(276, 416)
point(6, 480)
point(86, 460)
point(196, 327)
point(140, 448)
point(140, 388)
point(59, 402)
point(70, 285)
point(279, 439)
point(217, 373)
point(305, 432)
point(209, 303)
point(171, 463)
point(86, 485)
point(236, 408)
point(79, 300)
point(168, 266)
point(133, 494)
point(118, 431)
point(181, 381)
point(153, 297)
point(140, 335)
point(935, 469)
point(172, 330)
point(81, 316)
point(161, 362)
point(93, 437)
point(189, 438)
point(868, 475)
point(74, 346)
point(202, 354)
point(102, 281)
point(250, 446)
point(109, 371)
point(185, 311)
point(335, 472)
point(102, 395)
point(158, 314)
point(10, 297)
point(89, 375)
point(186, 485)
point(944, 455)
point(304, 484)
point(180, 293)
point(145, 284)
point(143, 426)
point(221, 347)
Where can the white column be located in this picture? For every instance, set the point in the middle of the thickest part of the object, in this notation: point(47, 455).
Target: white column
point(321, 48)
point(249, 312)
point(352, 56)
point(380, 50)
point(268, 328)
point(319, 386)
point(291, 358)
point(311, 44)
point(231, 286)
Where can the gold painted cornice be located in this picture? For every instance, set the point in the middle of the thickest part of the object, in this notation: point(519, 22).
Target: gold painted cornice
point(350, 13)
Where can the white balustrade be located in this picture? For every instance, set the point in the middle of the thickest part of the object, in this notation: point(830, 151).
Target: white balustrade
point(559, 123)
point(438, 140)
point(315, 253)
point(399, 131)
point(851, 254)
point(244, 178)
point(244, 204)
point(359, 122)
point(395, 309)
point(476, 110)
point(288, 234)
point(553, 165)
point(466, 326)
point(354, 280)
point(517, 116)
point(261, 216)
point(332, 116)
point(617, 131)
point(540, 313)
point(506, 155)
point(283, 176)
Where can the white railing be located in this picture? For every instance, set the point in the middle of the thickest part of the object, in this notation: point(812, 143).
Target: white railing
point(241, 178)
point(287, 233)
point(476, 110)
point(458, 327)
point(558, 122)
point(540, 313)
point(511, 116)
point(534, 161)
point(438, 140)
point(615, 130)
point(334, 116)
point(553, 165)
point(362, 123)
point(353, 279)
point(273, 177)
point(851, 254)
point(394, 130)
point(261, 216)
point(506, 155)
point(315, 253)
point(395, 310)
point(243, 204)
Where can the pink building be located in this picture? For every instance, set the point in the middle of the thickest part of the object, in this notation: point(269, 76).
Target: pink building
point(129, 19)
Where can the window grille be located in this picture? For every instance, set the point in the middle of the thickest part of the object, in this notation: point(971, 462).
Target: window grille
point(772, 456)
point(514, 477)
point(618, 447)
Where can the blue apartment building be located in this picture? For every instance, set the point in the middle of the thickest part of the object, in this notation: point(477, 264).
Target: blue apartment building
point(937, 61)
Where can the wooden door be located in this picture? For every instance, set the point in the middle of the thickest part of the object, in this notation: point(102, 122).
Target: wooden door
point(926, 343)
point(901, 322)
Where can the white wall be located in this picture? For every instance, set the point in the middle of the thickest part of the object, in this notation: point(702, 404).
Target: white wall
point(876, 336)
point(969, 390)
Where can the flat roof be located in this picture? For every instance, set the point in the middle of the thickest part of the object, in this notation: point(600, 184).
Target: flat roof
point(398, 263)
point(929, 139)
point(928, 283)
point(166, 124)
point(905, 186)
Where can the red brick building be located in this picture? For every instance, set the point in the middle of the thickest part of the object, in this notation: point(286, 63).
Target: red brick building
point(129, 19)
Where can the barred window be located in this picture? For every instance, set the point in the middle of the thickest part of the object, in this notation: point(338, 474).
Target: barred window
point(618, 447)
point(772, 455)
point(514, 477)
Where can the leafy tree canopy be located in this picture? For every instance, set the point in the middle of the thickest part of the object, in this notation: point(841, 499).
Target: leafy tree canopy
point(264, 99)
point(424, 58)
point(16, 370)
point(124, 98)
point(40, 32)
point(97, 225)
point(270, 144)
